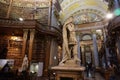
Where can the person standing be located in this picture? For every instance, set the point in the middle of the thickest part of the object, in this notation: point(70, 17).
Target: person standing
point(112, 72)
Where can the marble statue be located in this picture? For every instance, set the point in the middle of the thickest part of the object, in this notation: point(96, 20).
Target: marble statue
point(70, 63)
point(70, 54)
point(24, 66)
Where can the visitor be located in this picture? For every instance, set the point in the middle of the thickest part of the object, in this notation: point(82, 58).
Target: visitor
point(112, 72)
point(6, 67)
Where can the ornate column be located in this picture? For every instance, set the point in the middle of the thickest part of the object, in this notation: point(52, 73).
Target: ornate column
point(82, 55)
point(32, 34)
point(118, 44)
point(25, 36)
point(106, 49)
point(53, 61)
point(95, 50)
point(78, 50)
point(47, 55)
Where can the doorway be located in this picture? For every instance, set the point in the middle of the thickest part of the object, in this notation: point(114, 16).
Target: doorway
point(87, 54)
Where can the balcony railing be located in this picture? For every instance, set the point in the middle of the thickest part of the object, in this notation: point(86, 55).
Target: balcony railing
point(29, 24)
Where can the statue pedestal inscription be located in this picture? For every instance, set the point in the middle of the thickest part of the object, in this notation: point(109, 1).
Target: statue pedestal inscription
point(68, 72)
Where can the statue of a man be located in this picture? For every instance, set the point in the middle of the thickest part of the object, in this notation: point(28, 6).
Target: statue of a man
point(69, 41)
point(24, 66)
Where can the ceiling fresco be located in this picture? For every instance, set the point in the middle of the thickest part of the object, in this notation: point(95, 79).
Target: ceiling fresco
point(83, 10)
point(26, 9)
point(31, 3)
point(27, 3)
point(87, 16)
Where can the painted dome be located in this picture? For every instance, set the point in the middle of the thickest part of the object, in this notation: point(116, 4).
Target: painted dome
point(83, 11)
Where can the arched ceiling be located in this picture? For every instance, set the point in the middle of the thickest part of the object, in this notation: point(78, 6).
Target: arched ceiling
point(83, 11)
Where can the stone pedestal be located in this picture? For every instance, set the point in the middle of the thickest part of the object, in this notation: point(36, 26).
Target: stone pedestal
point(68, 72)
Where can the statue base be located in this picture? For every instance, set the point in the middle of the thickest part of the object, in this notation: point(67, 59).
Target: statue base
point(68, 72)
point(71, 63)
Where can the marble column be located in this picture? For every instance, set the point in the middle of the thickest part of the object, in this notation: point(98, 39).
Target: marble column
point(118, 44)
point(95, 50)
point(78, 50)
point(106, 49)
point(82, 55)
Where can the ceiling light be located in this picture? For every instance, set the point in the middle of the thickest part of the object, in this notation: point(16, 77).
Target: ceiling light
point(109, 16)
point(21, 19)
